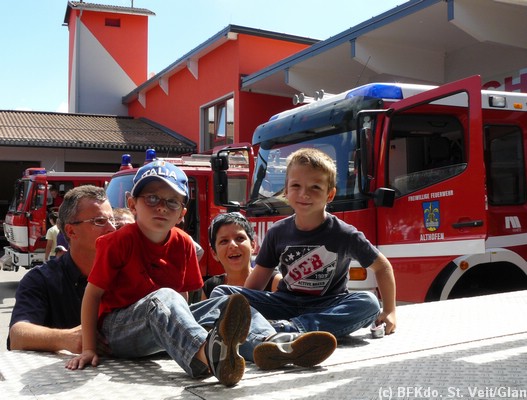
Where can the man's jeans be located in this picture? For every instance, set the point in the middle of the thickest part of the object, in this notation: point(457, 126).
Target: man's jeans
point(163, 321)
point(340, 314)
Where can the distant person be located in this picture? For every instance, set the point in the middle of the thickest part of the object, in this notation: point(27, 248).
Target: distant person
point(232, 240)
point(51, 237)
point(122, 217)
point(137, 295)
point(61, 239)
point(59, 251)
point(57, 198)
point(313, 250)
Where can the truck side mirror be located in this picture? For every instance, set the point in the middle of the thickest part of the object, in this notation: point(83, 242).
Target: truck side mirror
point(221, 191)
point(220, 161)
point(384, 197)
point(220, 164)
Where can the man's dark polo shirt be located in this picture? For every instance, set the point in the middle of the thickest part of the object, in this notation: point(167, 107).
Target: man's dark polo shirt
point(50, 295)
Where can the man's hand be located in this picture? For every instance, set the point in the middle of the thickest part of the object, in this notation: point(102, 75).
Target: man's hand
point(72, 339)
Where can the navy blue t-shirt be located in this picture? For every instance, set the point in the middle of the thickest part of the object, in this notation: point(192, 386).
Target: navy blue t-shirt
point(50, 295)
point(316, 262)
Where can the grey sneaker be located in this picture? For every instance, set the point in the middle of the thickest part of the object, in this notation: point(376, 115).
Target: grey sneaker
point(302, 349)
point(231, 330)
point(283, 325)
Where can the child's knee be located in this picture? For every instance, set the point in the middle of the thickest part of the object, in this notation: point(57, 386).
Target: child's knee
point(221, 290)
point(369, 300)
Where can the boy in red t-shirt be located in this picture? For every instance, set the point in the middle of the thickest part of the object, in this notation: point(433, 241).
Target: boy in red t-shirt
point(137, 289)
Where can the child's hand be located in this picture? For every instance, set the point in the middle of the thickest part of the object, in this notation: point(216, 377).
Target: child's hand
point(79, 362)
point(389, 319)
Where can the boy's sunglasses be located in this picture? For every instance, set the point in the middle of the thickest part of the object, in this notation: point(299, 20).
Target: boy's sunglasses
point(152, 200)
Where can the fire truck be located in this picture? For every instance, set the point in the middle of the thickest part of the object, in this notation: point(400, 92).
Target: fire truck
point(434, 177)
point(26, 222)
point(200, 208)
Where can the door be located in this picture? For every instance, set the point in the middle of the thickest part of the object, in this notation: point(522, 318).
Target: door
point(434, 161)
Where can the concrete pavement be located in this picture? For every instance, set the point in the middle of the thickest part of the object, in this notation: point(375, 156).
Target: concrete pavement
point(473, 348)
point(8, 284)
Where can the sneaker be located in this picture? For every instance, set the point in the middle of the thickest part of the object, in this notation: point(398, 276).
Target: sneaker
point(283, 325)
point(231, 330)
point(302, 349)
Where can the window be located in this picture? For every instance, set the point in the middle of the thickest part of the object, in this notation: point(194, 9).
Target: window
point(505, 165)
point(219, 124)
point(424, 149)
point(114, 22)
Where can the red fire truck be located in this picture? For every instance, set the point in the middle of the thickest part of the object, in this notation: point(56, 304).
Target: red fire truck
point(26, 222)
point(200, 208)
point(434, 176)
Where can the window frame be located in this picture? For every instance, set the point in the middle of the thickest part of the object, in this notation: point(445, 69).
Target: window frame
point(223, 116)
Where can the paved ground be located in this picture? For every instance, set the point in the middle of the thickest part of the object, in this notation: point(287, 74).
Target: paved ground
point(8, 284)
point(459, 349)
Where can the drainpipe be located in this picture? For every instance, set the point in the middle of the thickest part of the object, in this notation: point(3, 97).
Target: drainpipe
point(77, 63)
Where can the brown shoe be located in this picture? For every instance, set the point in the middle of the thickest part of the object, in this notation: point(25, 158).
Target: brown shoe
point(223, 341)
point(302, 349)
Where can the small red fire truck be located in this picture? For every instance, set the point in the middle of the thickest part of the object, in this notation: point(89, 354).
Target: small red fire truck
point(200, 208)
point(25, 224)
point(434, 176)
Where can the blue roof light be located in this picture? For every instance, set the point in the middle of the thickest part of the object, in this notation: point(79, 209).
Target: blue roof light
point(150, 155)
point(126, 159)
point(377, 91)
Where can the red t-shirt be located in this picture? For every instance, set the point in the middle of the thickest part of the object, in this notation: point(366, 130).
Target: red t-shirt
point(128, 266)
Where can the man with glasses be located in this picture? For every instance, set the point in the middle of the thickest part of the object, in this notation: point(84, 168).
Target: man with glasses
point(46, 315)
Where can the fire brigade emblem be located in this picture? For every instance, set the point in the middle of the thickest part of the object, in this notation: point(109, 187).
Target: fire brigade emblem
point(431, 215)
point(310, 268)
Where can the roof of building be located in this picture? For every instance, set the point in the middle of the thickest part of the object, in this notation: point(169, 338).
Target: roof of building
point(88, 131)
point(80, 5)
point(419, 41)
point(223, 36)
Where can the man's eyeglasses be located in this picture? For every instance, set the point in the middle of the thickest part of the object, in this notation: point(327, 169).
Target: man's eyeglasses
point(152, 200)
point(97, 221)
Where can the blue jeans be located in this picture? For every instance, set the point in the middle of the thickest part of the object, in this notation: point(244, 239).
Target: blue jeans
point(339, 314)
point(163, 321)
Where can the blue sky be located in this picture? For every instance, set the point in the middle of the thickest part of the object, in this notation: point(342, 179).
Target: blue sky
point(34, 44)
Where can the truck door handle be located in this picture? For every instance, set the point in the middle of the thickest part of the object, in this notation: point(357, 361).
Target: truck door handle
point(467, 224)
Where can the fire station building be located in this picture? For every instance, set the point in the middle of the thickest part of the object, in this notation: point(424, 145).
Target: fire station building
point(220, 91)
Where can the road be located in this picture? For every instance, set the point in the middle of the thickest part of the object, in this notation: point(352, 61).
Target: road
point(8, 284)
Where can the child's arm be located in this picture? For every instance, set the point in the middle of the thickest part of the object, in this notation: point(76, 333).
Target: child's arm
point(89, 314)
point(185, 295)
point(258, 278)
point(386, 282)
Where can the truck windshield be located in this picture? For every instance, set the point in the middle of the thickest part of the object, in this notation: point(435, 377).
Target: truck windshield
point(117, 189)
point(19, 198)
point(267, 193)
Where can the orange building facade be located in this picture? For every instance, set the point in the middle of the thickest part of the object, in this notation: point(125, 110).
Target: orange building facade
point(198, 96)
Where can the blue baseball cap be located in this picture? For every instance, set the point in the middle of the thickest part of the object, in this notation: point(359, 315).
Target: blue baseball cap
point(163, 171)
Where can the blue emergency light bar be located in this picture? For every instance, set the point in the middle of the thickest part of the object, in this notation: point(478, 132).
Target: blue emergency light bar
point(377, 91)
point(36, 171)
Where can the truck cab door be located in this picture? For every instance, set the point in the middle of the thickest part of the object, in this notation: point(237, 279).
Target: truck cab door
point(434, 160)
